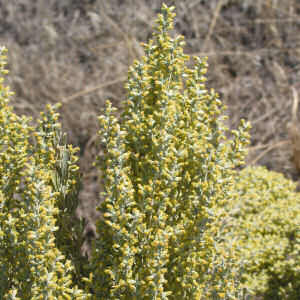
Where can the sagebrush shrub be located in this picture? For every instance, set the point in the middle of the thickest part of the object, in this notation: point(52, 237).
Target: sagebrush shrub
point(265, 230)
point(166, 168)
point(31, 265)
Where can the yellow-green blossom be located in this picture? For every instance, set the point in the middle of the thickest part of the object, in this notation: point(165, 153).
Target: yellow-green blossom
point(264, 230)
point(31, 266)
point(166, 167)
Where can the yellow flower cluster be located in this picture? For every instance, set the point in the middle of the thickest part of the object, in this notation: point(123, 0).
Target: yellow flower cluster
point(31, 266)
point(53, 153)
point(166, 170)
point(264, 229)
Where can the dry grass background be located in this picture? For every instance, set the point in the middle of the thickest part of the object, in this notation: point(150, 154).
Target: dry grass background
point(78, 52)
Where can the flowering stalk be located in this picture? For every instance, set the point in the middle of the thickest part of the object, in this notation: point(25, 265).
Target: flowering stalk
point(166, 169)
point(31, 265)
point(53, 153)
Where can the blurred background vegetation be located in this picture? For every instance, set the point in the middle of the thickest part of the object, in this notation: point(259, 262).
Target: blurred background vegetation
point(78, 51)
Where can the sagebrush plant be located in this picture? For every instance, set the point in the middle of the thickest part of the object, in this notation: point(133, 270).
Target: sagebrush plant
point(166, 168)
point(31, 265)
point(265, 230)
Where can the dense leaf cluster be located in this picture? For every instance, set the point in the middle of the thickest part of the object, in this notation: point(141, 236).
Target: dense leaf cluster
point(265, 230)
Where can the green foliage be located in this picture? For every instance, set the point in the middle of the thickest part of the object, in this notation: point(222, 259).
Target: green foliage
point(166, 169)
point(265, 230)
point(31, 266)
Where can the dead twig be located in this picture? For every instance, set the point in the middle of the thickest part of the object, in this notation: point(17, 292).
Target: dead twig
point(91, 90)
point(254, 161)
point(120, 32)
point(293, 129)
point(246, 52)
point(279, 9)
point(212, 24)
